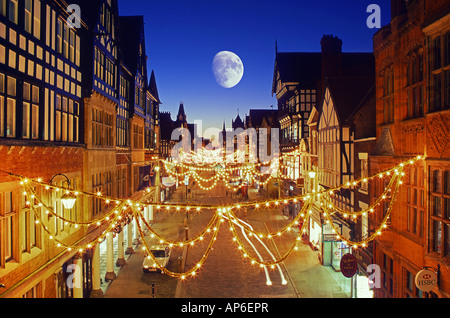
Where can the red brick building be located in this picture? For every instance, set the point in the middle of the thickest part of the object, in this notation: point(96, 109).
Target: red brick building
point(412, 101)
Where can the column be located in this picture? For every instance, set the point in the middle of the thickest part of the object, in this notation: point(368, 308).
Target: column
point(130, 249)
point(120, 249)
point(137, 236)
point(150, 214)
point(145, 218)
point(78, 277)
point(96, 286)
point(110, 275)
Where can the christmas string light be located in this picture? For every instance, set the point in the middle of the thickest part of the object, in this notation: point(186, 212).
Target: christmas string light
point(199, 237)
point(271, 202)
point(191, 272)
point(327, 201)
point(322, 197)
point(378, 232)
point(254, 260)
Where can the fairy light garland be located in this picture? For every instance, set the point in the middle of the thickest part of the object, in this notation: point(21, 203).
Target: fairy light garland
point(198, 238)
point(270, 202)
point(191, 272)
point(378, 232)
point(114, 219)
point(254, 260)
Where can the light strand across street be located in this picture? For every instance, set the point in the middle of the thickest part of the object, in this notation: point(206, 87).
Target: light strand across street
point(123, 211)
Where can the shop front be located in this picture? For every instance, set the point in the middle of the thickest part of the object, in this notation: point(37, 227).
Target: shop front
point(315, 230)
point(333, 248)
point(362, 278)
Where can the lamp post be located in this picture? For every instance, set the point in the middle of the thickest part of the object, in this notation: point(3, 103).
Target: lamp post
point(312, 176)
point(68, 199)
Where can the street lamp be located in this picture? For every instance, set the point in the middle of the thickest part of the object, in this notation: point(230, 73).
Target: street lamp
point(68, 199)
point(312, 174)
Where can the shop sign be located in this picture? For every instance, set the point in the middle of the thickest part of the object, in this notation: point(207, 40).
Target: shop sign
point(348, 265)
point(330, 238)
point(328, 233)
point(426, 280)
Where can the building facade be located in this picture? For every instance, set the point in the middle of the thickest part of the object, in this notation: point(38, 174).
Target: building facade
point(412, 102)
point(66, 112)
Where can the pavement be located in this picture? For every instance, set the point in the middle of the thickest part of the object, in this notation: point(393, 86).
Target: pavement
point(307, 277)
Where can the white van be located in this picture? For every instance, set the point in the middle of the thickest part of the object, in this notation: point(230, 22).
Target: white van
point(162, 256)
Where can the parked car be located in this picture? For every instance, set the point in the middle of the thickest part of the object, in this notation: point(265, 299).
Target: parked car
point(162, 256)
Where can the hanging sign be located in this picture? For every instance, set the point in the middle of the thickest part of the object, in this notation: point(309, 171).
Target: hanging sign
point(348, 265)
point(145, 177)
point(426, 280)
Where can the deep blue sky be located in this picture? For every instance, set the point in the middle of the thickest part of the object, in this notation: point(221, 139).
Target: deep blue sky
point(183, 36)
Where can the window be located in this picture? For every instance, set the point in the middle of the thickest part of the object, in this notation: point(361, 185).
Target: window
point(3, 7)
point(121, 182)
point(122, 132)
point(66, 119)
point(110, 72)
point(77, 50)
point(7, 228)
point(30, 123)
point(30, 231)
point(415, 90)
point(72, 46)
point(387, 271)
point(410, 288)
point(28, 15)
point(2, 104)
point(388, 98)
point(97, 206)
point(440, 73)
point(415, 201)
point(97, 121)
point(364, 174)
point(8, 113)
point(440, 211)
point(32, 17)
point(59, 36)
point(13, 12)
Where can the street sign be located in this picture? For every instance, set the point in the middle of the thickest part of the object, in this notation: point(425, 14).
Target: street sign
point(426, 280)
point(348, 265)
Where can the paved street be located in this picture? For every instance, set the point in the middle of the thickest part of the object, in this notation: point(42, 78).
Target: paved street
point(225, 273)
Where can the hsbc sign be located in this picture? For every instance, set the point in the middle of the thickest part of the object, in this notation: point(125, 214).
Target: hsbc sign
point(426, 280)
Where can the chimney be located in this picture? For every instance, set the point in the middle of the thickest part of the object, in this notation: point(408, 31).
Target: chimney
point(331, 56)
point(398, 7)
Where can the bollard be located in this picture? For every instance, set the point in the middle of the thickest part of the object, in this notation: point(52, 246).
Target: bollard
point(154, 289)
point(180, 264)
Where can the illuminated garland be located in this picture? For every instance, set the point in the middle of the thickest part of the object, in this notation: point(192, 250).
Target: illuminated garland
point(115, 218)
point(191, 272)
point(378, 232)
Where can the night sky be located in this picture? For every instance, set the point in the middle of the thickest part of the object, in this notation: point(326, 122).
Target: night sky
point(182, 38)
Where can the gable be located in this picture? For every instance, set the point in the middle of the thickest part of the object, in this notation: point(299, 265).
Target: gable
point(328, 116)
